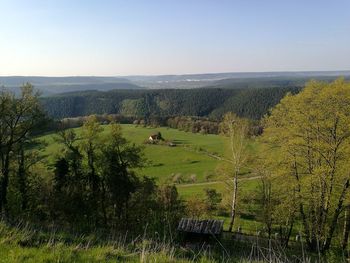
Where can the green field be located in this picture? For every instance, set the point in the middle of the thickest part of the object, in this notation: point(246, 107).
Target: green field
point(188, 160)
point(183, 160)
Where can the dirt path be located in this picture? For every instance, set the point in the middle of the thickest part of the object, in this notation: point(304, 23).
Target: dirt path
point(217, 182)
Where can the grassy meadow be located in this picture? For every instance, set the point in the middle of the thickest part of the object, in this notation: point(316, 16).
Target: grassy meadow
point(164, 162)
point(189, 159)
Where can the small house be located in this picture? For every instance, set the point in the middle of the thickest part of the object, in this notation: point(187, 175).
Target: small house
point(155, 137)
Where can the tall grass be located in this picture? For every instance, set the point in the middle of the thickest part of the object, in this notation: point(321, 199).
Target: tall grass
point(25, 244)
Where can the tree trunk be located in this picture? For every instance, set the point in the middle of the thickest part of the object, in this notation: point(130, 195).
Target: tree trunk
point(287, 238)
point(337, 212)
point(103, 203)
point(346, 229)
point(4, 185)
point(22, 179)
point(234, 201)
point(94, 184)
point(1, 182)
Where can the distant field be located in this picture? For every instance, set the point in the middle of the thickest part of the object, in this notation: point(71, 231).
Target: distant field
point(165, 162)
point(187, 160)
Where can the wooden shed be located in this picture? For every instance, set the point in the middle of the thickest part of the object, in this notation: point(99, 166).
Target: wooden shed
point(200, 230)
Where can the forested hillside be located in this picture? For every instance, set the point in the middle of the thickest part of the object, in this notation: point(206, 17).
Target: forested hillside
point(212, 102)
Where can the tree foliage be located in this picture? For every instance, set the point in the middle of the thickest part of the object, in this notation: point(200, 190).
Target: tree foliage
point(310, 132)
point(236, 129)
point(19, 116)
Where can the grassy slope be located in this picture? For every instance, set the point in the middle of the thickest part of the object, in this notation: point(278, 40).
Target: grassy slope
point(23, 244)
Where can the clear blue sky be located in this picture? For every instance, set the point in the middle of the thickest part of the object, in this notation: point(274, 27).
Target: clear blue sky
point(100, 37)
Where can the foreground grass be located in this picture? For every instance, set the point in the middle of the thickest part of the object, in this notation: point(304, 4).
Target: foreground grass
point(21, 244)
point(92, 254)
point(58, 254)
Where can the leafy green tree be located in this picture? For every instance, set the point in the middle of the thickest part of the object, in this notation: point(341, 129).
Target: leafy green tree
point(72, 153)
point(91, 145)
point(70, 183)
point(27, 152)
point(91, 131)
point(61, 174)
point(236, 130)
point(310, 133)
point(119, 157)
point(171, 208)
point(213, 198)
point(19, 116)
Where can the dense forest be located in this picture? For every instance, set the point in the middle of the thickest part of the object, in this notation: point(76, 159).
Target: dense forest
point(208, 102)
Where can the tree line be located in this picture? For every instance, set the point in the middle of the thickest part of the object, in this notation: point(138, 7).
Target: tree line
point(202, 125)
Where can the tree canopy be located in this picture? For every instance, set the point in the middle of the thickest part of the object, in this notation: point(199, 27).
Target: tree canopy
point(310, 135)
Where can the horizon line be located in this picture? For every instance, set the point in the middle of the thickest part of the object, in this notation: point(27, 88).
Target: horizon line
point(185, 74)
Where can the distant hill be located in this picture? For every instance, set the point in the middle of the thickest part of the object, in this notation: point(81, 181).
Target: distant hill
point(55, 85)
point(236, 79)
point(269, 82)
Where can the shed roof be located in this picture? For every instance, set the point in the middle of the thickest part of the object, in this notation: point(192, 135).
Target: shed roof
point(208, 226)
